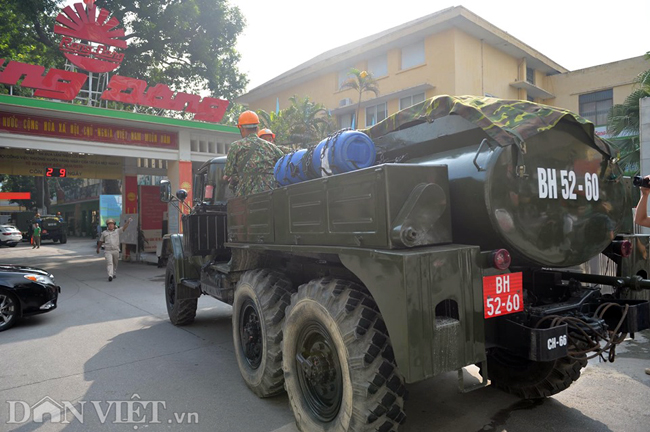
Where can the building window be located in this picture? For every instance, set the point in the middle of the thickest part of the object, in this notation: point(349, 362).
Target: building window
point(375, 114)
point(595, 106)
point(413, 55)
point(378, 66)
point(408, 101)
point(343, 76)
point(345, 120)
point(530, 75)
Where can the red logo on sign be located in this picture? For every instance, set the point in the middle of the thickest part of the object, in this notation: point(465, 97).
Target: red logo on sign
point(85, 24)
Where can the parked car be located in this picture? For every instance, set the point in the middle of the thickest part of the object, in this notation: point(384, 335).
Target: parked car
point(25, 291)
point(10, 235)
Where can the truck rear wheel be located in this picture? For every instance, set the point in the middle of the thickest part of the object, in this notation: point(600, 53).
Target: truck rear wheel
point(529, 379)
point(261, 297)
point(339, 366)
point(181, 312)
point(64, 239)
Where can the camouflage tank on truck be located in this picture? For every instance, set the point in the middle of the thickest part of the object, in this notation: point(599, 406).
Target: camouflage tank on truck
point(465, 245)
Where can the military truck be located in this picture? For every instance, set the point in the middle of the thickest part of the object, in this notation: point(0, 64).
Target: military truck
point(53, 228)
point(466, 244)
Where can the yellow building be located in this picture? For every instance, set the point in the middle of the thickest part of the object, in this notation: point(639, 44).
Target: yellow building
point(455, 52)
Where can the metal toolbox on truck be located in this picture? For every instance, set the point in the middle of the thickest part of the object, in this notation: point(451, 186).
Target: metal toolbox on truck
point(389, 206)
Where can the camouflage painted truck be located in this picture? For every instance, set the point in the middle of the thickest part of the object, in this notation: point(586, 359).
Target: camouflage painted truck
point(464, 245)
point(52, 228)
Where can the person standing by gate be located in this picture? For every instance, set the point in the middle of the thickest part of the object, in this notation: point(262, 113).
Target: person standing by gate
point(36, 236)
point(111, 239)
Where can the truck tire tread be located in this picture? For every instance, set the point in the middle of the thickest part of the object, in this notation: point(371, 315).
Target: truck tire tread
point(378, 389)
point(534, 380)
point(182, 312)
point(272, 291)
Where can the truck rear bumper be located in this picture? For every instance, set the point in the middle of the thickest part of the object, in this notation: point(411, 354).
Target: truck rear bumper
point(432, 302)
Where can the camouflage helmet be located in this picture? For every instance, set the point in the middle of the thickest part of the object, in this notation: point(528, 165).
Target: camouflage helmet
point(110, 221)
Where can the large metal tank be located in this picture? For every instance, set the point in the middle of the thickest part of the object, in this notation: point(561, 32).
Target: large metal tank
point(553, 199)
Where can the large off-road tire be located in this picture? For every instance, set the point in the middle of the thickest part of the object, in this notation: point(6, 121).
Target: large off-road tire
point(9, 310)
point(12, 244)
point(529, 379)
point(261, 297)
point(339, 366)
point(64, 239)
point(181, 312)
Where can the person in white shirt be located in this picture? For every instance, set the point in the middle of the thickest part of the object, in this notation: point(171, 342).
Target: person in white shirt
point(111, 241)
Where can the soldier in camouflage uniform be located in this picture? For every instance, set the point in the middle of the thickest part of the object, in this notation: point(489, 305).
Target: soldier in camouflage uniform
point(250, 163)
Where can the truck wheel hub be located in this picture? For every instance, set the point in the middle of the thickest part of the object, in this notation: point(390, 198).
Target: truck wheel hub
point(251, 334)
point(319, 372)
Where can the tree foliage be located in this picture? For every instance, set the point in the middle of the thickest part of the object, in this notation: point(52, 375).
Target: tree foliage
point(187, 44)
point(623, 123)
point(26, 34)
point(12, 183)
point(361, 82)
point(304, 122)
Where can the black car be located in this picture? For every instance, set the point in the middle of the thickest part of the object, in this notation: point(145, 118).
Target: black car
point(25, 291)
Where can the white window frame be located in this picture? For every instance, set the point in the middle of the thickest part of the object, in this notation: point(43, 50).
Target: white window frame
point(401, 107)
point(343, 77)
point(378, 66)
point(348, 123)
point(374, 107)
point(412, 55)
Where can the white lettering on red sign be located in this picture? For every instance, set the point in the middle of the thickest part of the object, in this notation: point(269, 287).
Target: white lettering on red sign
point(502, 294)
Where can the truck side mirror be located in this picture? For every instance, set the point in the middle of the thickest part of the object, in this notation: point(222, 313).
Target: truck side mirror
point(165, 191)
point(181, 194)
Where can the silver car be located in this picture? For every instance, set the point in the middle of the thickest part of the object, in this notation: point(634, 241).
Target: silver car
point(10, 235)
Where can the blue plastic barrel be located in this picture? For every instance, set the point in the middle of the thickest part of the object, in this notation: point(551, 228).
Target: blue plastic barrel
point(344, 152)
point(289, 169)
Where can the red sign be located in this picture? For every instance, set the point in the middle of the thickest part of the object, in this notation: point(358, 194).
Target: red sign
point(130, 200)
point(502, 294)
point(151, 208)
point(132, 91)
point(86, 131)
point(56, 84)
point(15, 195)
point(65, 85)
point(84, 25)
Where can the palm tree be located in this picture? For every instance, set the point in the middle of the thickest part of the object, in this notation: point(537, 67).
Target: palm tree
point(303, 122)
point(623, 123)
point(362, 82)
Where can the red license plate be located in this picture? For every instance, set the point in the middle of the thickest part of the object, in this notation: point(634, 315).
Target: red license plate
point(502, 294)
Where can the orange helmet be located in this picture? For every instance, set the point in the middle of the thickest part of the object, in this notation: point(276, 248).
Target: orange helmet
point(265, 132)
point(248, 120)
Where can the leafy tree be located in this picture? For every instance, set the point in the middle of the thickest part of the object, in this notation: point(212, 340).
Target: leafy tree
point(187, 44)
point(623, 122)
point(26, 34)
point(12, 183)
point(361, 82)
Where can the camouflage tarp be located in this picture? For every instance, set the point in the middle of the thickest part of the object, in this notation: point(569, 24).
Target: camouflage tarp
point(505, 121)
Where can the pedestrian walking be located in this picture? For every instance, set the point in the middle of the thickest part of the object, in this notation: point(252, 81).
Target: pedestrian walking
point(111, 241)
point(36, 237)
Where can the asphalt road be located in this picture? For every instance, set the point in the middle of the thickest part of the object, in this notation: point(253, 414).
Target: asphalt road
point(109, 356)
